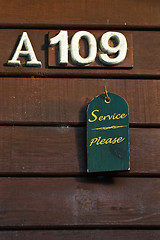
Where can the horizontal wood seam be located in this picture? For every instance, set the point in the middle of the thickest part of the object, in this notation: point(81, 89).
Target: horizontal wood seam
point(117, 76)
point(75, 229)
point(105, 175)
point(43, 228)
point(68, 125)
point(45, 175)
point(83, 27)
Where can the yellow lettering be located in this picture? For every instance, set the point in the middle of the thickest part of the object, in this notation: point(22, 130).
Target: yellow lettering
point(123, 115)
point(101, 118)
point(120, 139)
point(109, 140)
point(114, 141)
point(98, 140)
point(117, 116)
point(113, 116)
point(109, 117)
point(93, 140)
point(95, 117)
point(102, 141)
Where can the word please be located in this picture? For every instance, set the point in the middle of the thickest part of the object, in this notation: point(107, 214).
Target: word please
point(100, 141)
point(115, 116)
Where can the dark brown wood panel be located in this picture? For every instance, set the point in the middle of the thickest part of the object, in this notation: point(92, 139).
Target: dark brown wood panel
point(146, 56)
point(79, 202)
point(62, 151)
point(57, 100)
point(34, 194)
point(81, 234)
point(83, 13)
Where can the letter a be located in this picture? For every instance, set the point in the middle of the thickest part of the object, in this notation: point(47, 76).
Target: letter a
point(24, 53)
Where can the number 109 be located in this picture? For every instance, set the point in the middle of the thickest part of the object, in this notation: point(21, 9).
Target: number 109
point(107, 54)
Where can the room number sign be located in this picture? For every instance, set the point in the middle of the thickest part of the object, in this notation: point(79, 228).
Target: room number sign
point(90, 49)
point(104, 52)
point(78, 49)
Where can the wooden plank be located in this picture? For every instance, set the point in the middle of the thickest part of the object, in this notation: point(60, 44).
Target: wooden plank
point(145, 56)
point(53, 51)
point(62, 151)
point(91, 13)
point(79, 202)
point(50, 101)
point(81, 234)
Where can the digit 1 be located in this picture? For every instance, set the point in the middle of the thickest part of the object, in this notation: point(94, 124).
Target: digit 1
point(120, 49)
point(62, 39)
point(76, 58)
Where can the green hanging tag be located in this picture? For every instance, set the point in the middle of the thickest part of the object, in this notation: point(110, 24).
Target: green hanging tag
point(108, 134)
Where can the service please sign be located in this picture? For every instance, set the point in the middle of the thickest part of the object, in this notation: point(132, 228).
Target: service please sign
point(108, 134)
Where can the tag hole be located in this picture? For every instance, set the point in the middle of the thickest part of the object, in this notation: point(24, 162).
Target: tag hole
point(107, 100)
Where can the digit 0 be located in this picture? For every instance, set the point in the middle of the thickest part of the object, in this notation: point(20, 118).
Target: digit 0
point(76, 58)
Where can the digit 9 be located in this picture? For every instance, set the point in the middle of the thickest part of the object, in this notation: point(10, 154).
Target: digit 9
point(106, 50)
point(119, 51)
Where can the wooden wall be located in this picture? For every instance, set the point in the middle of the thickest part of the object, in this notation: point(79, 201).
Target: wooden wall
point(45, 191)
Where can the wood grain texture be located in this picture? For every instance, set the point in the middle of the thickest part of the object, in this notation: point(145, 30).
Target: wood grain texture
point(81, 234)
point(62, 151)
point(57, 100)
point(146, 56)
point(80, 13)
point(79, 202)
point(104, 203)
